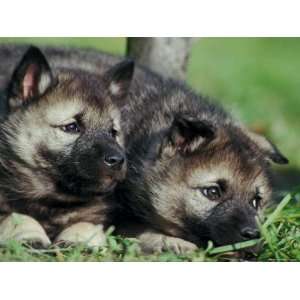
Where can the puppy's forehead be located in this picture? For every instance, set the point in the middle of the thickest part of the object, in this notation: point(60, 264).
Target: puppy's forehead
point(63, 108)
point(78, 96)
point(85, 86)
point(67, 107)
point(105, 117)
point(226, 164)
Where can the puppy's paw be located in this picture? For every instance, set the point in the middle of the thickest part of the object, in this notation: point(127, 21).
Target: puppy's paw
point(152, 242)
point(87, 234)
point(23, 228)
point(177, 245)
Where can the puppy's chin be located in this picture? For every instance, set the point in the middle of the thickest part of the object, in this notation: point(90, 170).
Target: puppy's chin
point(98, 191)
point(88, 190)
point(108, 189)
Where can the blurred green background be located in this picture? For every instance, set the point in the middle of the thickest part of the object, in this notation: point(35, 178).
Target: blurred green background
point(257, 79)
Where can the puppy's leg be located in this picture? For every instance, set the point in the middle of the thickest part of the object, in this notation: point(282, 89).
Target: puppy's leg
point(155, 242)
point(23, 228)
point(88, 234)
point(152, 241)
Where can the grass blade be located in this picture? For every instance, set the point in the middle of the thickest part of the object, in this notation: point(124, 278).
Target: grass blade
point(233, 247)
point(273, 216)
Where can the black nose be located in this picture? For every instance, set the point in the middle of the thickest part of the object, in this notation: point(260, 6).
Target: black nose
point(250, 233)
point(114, 160)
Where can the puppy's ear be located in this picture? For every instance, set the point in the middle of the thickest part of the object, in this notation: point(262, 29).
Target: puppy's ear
point(268, 149)
point(119, 79)
point(188, 133)
point(31, 78)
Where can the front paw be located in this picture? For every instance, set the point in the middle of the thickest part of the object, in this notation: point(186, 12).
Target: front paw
point(23, 228)
point(84, 233)
point(177, 245)
point(158, 243)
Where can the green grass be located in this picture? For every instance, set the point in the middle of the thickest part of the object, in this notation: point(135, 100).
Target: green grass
point(258, 80)
point(280, 242)
point(112, 45)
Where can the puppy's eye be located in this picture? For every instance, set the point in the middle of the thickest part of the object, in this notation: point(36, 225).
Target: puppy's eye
point(211, 192)
point(255, 202)
point(71, 128)
point(113, 132)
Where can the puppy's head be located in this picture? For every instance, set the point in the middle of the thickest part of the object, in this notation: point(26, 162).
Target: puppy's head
point(211, 181)
point(64, 127)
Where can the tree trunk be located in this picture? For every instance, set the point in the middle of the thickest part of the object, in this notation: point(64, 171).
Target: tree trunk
point(167, 56)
